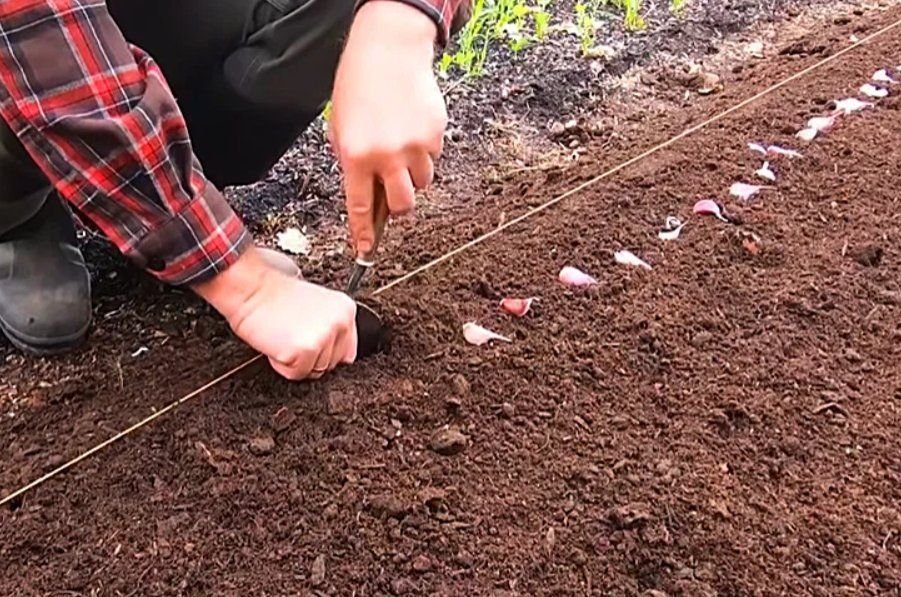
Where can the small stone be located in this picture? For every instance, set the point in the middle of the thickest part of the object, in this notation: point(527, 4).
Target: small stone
point(557, 129)
point(629, 516)
point(282, 419)
point(461, 385)
point(602, 51)
point(709, 83)
point(453, 405)
point(508, 411)
point(464, 560)
point(421, 564)
point(655, 593)
point(403, 586)
point(620, 422)
point(720, 508)
point(387, 506)
point(317, 571)
point(648, 79)
point(261, 445)
point(852, 356)
point(550, 539)
point(701, 338)
point(339, 403)
point(448, 442)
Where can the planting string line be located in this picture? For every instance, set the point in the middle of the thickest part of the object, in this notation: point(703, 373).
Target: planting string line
point(477, 241)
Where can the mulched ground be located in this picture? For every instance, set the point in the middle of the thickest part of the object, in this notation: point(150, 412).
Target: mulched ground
point(724, 424)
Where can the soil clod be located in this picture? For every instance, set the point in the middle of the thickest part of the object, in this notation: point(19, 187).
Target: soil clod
point(422, 564)
point(261, 445)
point(317, 571)
point(387, 506)
point(869, 255)
point(339, 403)
point(629, 516)
point(461, 385)
point(282, 419)
point(448, 442)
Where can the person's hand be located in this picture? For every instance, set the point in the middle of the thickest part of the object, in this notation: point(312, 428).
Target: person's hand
point(388, 114)
point(305, 330)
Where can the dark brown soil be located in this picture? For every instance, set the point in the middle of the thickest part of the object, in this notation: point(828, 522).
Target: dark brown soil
point(725, 424)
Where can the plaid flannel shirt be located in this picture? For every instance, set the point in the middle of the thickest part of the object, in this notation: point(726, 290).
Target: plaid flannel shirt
point(96, 115)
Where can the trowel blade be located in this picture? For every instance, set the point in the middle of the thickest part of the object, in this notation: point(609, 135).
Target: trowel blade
point(373, 336)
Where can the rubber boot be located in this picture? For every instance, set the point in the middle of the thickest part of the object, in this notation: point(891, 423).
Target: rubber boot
point(45, 287)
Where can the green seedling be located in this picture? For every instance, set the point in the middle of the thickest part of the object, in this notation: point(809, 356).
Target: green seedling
point(632, 9)
point(585, 25)
point(517, 23)
point(677, 7)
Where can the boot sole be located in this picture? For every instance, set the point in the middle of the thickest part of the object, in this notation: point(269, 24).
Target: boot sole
point(45, 349)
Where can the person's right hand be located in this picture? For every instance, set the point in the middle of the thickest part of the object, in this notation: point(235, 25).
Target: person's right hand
point(305, 330)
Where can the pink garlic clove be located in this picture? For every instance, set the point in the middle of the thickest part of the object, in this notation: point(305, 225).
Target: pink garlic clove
point(884, 75)
point(851, 105)
point(757, 147)
point(517, 306)
point(822, 124)
point(631, 259)
point(766, 172)
point(478, 336)
point(709, 207)
point(775, 151)
point(745, 191)
point(873, 91)
point(670, 234)
point(573, 277)
point(807, 134)
point(672, 228)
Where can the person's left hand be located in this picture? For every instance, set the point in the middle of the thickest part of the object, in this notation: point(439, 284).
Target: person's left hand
point(388, 114)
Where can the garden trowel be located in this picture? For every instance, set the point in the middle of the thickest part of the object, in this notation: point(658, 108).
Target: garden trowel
point(372, 333)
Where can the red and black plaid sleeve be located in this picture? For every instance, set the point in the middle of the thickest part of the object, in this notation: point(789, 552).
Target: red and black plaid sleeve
point(449, 15)
point(98, 118)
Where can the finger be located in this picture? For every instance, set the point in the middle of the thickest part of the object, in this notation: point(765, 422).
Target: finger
point(295, 364)
point(422, 170)
point(352, 343)
point(400, 191)
point(324, 362)
point(287, 371)
point(345, 349)
point(359, 188)
point(436, 147)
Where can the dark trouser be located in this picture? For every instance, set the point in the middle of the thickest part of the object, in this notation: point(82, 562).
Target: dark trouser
point(249, 76)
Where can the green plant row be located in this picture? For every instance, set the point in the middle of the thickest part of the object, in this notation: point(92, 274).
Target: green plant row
point(519, 23)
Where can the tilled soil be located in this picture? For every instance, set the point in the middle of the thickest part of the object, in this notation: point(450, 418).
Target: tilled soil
point(723, 424)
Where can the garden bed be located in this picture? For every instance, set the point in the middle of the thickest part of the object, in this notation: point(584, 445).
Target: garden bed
point(725, 423)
